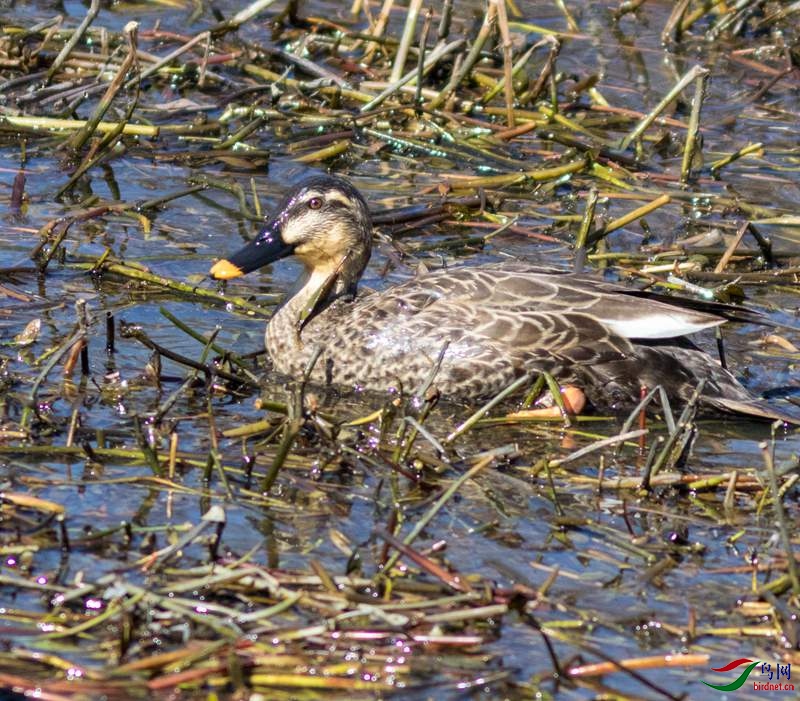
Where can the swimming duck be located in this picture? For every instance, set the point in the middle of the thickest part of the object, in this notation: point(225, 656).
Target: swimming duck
point(483, 326)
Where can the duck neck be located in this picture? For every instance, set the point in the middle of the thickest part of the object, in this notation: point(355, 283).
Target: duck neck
point(307, 294)
point(314, 290)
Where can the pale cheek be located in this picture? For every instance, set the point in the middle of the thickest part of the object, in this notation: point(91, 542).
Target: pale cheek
point(295, 231)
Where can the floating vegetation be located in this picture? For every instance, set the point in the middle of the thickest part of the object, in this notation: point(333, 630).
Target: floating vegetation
point(177, 520)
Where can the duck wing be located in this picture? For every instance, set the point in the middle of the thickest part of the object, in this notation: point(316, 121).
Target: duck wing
point(627, 313)
point(588, 281)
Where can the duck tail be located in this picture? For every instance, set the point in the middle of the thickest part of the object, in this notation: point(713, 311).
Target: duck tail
point(753, 407)
point(729, 312)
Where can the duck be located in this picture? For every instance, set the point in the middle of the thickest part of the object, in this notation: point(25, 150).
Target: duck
point(475, 329)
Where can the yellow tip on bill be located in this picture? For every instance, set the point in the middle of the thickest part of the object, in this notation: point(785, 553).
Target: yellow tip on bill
point(224, 270)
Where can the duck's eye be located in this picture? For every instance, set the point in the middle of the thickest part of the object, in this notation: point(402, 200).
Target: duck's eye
point(315, 203)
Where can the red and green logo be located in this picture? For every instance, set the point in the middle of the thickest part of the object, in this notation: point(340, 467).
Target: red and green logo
point(773, 678)
point(742, 677)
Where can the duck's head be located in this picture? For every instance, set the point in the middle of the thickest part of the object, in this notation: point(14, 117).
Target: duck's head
point(324, 221)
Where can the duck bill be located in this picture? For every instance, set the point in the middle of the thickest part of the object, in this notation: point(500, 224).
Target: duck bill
point(264, 249)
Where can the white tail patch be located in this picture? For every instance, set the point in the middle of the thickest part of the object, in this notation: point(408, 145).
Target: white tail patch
point(661, 324)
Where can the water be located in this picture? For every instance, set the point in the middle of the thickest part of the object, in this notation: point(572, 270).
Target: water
point(630, 570)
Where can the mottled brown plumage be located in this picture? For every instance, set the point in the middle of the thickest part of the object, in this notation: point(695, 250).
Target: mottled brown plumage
point(490, 324)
